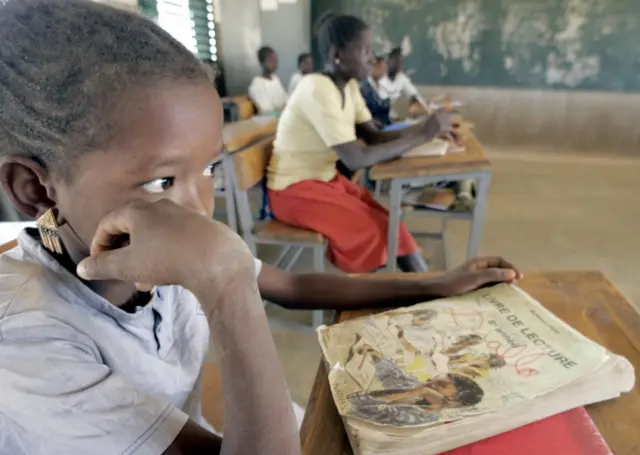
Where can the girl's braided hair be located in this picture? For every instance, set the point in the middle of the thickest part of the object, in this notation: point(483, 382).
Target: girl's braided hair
point(65, 65)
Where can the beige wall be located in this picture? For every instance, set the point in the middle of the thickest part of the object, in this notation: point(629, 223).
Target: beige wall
point(602, 122)
point(129, 4)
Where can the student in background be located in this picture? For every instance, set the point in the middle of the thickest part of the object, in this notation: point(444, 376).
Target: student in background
point(396, 83)
point(266, 91)
point(318, 127)
point(305, 66)
point(375, 96)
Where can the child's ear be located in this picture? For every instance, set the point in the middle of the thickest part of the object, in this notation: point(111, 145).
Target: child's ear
point(334, 55)
point(27, 184)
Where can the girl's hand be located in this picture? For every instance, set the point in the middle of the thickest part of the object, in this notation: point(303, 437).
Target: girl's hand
point(164, 243)
point(438, 123)
point(477, 273)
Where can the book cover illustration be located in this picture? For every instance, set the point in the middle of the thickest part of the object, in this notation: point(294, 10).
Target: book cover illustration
point(438, 362)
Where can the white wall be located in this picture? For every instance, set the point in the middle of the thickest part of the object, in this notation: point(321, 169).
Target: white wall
point(244, 28)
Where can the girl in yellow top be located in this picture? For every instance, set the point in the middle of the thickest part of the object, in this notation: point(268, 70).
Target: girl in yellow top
point(319, 125)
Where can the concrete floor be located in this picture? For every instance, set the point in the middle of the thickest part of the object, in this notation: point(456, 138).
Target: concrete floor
point(546, 211)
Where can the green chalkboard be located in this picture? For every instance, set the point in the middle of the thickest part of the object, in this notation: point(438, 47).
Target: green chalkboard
point(549, 44)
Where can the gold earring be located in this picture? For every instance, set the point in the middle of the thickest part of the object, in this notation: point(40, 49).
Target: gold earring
point(49, 235)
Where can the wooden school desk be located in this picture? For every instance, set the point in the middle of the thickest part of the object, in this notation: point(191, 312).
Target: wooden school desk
point(237, 136)
point(585, 300)
point(471, 164)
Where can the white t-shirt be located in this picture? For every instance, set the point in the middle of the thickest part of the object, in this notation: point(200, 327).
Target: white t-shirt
point(268, 94)
point(401, 86)
point(293, 83)
point(80, 376)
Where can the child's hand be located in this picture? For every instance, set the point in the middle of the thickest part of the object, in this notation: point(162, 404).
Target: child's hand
point(164, 243)
point(438, 123)
point(475, 274)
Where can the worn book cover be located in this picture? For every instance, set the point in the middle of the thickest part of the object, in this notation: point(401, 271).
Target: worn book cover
point(438, 362)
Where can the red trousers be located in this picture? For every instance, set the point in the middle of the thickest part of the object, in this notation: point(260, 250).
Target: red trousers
point(352, 221)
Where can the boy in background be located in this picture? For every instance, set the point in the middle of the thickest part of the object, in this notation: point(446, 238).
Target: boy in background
point(266, 90)
point(305, 66)
point(396, 84)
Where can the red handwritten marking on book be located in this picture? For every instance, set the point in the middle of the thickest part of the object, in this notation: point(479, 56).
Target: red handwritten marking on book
point(513, 357)
point(516, 357)
point(467, 319)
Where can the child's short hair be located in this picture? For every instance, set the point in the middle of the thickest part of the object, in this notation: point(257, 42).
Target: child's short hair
point(302, 57)
point(337, 30)
point(396, 52)
point(64, 67)
point(263, 53)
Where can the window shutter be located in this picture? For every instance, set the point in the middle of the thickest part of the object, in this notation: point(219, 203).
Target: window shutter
point(203, 18)
point(191, 22)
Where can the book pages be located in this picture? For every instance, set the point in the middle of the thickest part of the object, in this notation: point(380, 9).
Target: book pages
point(436, 147)
point(438, 362)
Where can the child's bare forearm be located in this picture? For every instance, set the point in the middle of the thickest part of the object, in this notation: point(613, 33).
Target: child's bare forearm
point(259, 415)
point(311, 291)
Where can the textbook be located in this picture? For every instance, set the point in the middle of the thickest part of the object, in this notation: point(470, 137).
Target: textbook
point(440, 199)
point(444, 374)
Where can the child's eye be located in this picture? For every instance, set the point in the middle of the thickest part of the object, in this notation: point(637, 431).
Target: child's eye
point(159, 185)
point(211, 169)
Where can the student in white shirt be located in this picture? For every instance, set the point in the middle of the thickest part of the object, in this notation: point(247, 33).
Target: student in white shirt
point(89, 364)
point(305, 66)
point(397, 84)
point(266, 91)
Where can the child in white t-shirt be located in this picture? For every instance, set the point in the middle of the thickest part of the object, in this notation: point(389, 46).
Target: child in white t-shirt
point(112, 147)
point(396, 84)
point(305, 66)
point(266, 91)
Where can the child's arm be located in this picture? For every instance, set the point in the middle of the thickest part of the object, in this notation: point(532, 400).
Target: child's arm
point(258, 407)
point(311, 291)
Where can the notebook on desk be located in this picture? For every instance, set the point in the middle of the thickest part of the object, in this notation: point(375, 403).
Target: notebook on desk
point(570, 433)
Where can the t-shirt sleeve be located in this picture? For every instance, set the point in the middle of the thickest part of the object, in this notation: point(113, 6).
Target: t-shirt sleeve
point(363, 114)
point(322, 106)
point(283, 96)
point(60, 396)
point(260, 96)
point(258, 266)
point(294, 82)
point(408, 89)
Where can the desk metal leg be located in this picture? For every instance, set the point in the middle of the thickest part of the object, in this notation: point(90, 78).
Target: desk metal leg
point(232, 220)
point(482, 194)
point(394, 224)
point(318, 266)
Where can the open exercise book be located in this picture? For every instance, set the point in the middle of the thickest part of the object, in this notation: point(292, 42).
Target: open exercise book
point(439, 375)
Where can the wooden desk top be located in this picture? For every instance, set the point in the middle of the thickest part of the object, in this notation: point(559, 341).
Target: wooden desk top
point(238, 135)
point(472, 159)
point(585, 300)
